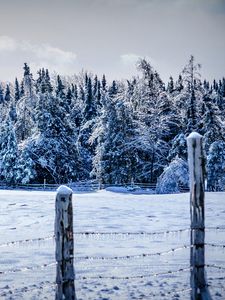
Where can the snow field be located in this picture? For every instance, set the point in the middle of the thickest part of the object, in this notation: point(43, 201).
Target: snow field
point(28, 268)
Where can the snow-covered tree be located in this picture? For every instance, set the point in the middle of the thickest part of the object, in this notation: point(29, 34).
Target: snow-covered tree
point(213, 126)
point(8, 152)
point(173, 176)
point(216, 167)
point(178, 148)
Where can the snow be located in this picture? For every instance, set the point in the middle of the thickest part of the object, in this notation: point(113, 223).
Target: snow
point(64, 190)
point(194, 135)
point(30, 215)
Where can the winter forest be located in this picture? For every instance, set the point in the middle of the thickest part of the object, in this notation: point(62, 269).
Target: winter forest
point(82, 127)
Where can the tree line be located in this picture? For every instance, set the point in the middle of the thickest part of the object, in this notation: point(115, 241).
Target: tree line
point(82, 127)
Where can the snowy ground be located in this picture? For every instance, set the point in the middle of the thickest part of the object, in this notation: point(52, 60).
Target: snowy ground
point(27, 270)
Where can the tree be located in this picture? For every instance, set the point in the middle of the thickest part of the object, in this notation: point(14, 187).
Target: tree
point(53, 146)
point(179, 84)
point(25, 167)
point(213, 126)
point(170, 86)
point(28, 81)
point(8, 152)
point(179, 148)
point(7, 94)
point(173, 176)
point(104, 83)
point(89, 111)
point(191, 114)
point(17, 91)
point(113, 89)
point(1, 94)
point(115, 159)
point(216, 166)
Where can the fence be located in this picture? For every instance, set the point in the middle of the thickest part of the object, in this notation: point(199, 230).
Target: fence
point(90, 186)
point(64, 240)
point(64, 235)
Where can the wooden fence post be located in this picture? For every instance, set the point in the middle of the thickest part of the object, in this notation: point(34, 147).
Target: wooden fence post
point(197, 211)
point(65, 274)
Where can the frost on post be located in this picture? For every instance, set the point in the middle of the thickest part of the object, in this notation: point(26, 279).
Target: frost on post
point(65, 288)
point(197, 210)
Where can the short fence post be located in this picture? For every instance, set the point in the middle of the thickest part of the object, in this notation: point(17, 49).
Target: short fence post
point(65, 276)
point(197, 211)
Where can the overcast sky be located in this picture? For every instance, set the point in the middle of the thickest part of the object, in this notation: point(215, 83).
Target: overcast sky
point(107, 36)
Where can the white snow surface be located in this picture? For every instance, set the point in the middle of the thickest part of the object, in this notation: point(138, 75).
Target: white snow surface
point(64, 190)
point(194, 135)
point(27, 270)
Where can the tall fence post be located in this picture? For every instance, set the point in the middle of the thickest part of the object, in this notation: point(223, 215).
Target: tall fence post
point(197, 211)
point(64, 252)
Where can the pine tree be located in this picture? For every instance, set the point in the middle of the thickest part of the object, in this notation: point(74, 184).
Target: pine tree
point(191, 114)
point(25, 168)
point(216, 166)
point(115, 159)
point(28, 81)
point(213, 126)
point(69, 96)
point(17, 91)
point(113, 89)
point(178, 148)
point(104, 83)
point(179, 84)
point(22, 92)
point(53, 147)
point(26, 107)
point(48, 84)
point(89, 111)
point(1, 95)
point(8, 152)
point(74, 90)
point(170, 86)
point(7, 97)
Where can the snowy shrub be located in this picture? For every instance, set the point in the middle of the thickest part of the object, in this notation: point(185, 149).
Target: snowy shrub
point(174, 175)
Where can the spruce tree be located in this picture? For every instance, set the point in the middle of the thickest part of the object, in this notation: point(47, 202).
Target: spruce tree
point(1, 94)
point(17, 91)
point(170, 86)
point(213, 126)
point(9, 152)
point(7, 97)
point(216, 166)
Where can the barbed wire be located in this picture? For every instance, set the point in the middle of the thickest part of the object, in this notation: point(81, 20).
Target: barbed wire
point(103, 258)
point(92, 233)
point(142, 255)
point(25, 269)
point(131, 233)
point(135, 276)
point(215, 245)
point(215, 266)
point(19, 242)
point(215, 228)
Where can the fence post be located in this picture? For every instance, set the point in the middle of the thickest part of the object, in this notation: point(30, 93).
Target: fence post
point(65, 275)
point(197, 211)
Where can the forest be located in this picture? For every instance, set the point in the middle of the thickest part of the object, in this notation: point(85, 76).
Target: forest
point(82, 127)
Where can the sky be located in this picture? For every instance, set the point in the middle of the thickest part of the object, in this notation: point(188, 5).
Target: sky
point(108, 36)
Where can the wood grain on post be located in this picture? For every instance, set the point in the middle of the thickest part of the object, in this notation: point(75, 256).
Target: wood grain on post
point(65, 275)
point(197, 212)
